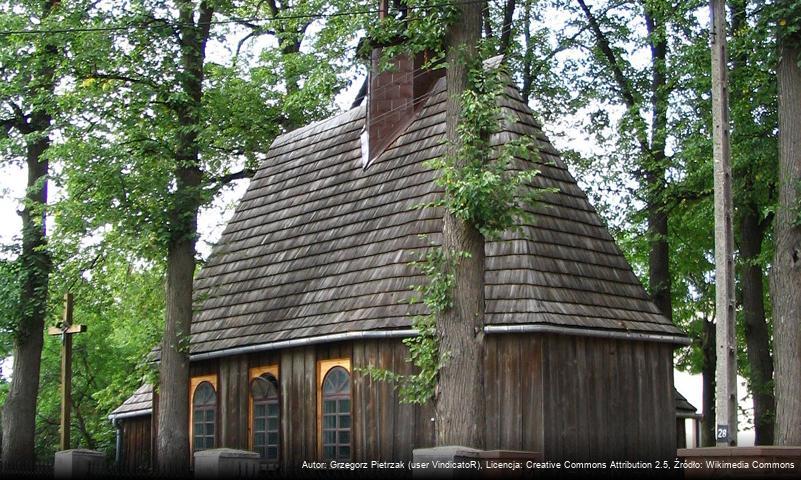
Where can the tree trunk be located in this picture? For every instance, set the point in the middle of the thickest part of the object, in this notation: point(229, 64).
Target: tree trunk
point(460, 329)
point(173, 410)
point(757, 336)
point(19, 410)
point(173, 432)
point(654, 160)
point(786, 271)
point(659, 280)
point(528, 52)
point(506, 28)
point(708, 379)
point(752, 234)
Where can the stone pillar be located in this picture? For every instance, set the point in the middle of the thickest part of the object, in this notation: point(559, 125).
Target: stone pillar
point(78, 463)
point(226, 463)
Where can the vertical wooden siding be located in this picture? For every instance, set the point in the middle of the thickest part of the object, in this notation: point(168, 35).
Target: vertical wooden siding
point(513, 388)
point(383, 428)
point(608, 399)
point(570, 397)
point(136, 443)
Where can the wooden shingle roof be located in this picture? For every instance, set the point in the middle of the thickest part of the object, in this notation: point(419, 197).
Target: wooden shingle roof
point(318, 245)
point(140, 403)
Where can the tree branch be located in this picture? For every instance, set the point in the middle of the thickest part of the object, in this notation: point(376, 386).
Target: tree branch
point(228, 178)
point(257, 30)
point(20, 119)
point(487, 20)
point(766, 222)
point(622, 82)
point(603, 44)
point(7, 125)
point(567, 43)
point(506, 28)
point(273, 7)
point(204, 22)
point(123, 78)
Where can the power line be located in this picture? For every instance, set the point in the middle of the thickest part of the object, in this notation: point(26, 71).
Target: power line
point(309, 16)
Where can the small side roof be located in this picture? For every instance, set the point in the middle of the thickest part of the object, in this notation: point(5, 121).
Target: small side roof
point(684, 409)
point(138, 404)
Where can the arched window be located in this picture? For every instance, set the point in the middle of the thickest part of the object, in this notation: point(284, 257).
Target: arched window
point(266, 416)
point(336, 417)
point(204, 416)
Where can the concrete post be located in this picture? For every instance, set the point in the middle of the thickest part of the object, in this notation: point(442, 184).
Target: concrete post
point(78, 463)
point(226, 463)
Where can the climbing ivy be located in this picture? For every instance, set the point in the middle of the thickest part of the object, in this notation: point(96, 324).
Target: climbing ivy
point(435, 294)
point(483, 191)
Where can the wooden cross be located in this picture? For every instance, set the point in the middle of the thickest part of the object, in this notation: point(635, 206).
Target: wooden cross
point(66, 329)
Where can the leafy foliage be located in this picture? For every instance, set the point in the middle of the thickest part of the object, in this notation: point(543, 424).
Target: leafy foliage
point(120, 113)
point(121, 301)
point(486, 193)
point(423, 348)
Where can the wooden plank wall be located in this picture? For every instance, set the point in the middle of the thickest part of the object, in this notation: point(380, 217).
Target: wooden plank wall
point(608, 399)
point(383, 428)
point(570, 397)
point(386, 429)
point(136, 443)
point(513, 388)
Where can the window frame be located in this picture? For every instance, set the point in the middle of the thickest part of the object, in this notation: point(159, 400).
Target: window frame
point(254, 373)
point(193, 384)
point(323, 367)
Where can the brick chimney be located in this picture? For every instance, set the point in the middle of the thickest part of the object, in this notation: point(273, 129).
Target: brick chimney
point(394, 96)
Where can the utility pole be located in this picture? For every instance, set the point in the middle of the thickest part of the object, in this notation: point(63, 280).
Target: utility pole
point(726, 368)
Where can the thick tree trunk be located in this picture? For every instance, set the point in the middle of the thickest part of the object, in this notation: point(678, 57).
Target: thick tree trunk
point(19, 411)
point(752, 234)
point(460, 329)
point(757, 336)
point(786, 271)
point(659, 280)
point(708, 384)
point(173, 410)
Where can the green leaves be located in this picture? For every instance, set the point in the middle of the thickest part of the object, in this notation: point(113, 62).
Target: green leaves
point(481, 187)
point(424, 352)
